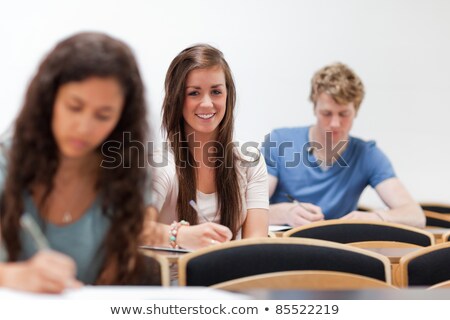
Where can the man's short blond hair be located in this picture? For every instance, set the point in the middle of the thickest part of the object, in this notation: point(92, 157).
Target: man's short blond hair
point(340, 82)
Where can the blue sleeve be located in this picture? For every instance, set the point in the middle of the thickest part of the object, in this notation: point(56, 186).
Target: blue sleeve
point(380, 168)
point(269, 149)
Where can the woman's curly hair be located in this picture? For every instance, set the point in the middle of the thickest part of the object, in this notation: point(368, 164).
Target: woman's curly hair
point(33, 156)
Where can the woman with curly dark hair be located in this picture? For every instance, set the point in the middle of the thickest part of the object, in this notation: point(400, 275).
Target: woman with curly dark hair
point(58, 169)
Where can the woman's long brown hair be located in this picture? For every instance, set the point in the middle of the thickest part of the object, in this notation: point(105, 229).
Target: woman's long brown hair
point(33, 157)
point(226, 178)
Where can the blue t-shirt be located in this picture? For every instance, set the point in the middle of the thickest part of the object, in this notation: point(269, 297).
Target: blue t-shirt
point(337, 189)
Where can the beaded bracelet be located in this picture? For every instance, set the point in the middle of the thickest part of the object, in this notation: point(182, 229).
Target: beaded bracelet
point(173, 232)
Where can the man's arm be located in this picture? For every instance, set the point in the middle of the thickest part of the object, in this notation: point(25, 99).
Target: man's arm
point(402, 207)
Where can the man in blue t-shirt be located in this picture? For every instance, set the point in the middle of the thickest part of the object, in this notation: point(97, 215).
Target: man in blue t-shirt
point(319, 172)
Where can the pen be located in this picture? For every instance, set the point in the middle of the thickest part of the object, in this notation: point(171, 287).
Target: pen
point(27, 222)
point(298, 203)
point(194, 205)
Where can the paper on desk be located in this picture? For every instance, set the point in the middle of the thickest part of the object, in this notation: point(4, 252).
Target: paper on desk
point(275, 228)
point(169, 249)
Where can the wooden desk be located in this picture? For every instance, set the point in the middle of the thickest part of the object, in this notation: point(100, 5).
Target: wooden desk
point(172, 257)
point(278, 230)
point(379, 294)
point(205, 293)
point(437, 232)
point(128, 293)
point(394, 254)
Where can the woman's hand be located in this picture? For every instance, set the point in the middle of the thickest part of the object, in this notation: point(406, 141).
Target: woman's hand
point(202, 235)
point(46, 272)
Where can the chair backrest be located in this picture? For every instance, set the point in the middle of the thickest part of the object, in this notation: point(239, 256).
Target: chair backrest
point(434, 219)
point(303, 280)
point(348, 231)
point(243, 258)
point(158, 269)
point(426, 267)
point(446, 236)
point(440, 285)
point(382, 244)
point(436, 207)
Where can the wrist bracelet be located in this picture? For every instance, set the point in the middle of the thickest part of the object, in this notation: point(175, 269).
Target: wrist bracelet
point(173, 232)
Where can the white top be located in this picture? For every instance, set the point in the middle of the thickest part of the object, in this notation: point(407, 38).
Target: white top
point(253, 183)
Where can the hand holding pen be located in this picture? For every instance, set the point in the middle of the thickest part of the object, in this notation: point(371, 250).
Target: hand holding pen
point(46, 272)
point(204, 234)
point(302, 213)
point(299, 203)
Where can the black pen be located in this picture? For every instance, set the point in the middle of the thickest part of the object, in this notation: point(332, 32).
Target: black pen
point(287, 195)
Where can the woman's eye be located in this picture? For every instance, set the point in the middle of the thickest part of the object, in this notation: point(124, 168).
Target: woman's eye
point(103, 117)
point(193, 93)
point(74, 108)
point(216, 92)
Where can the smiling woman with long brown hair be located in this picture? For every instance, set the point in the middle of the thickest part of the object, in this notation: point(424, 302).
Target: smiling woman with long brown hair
point(207, 181)
point(87, 91)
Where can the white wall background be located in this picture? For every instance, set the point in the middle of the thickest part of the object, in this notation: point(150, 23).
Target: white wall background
point(400, 48)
